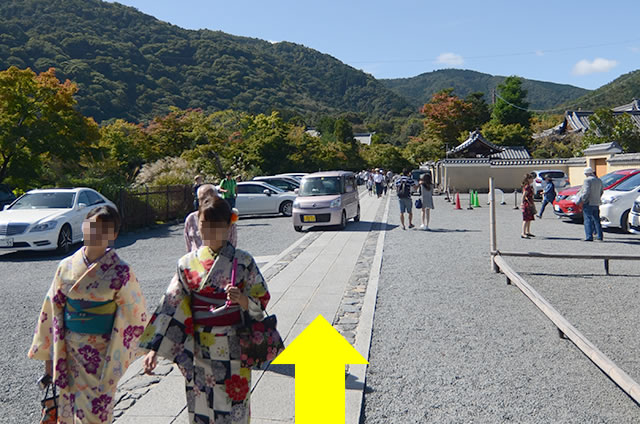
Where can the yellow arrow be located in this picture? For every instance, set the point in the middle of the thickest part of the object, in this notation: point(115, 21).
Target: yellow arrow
point(320, 354)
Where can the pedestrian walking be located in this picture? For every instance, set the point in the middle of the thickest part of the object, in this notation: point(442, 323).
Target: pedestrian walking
point(388, 180)
point(370, 182)
point(378, 178)
point(403, 188)
point(589, 196)
point(197, 320)
point(527, 206)
point(90, 322)
point(426, 199)
point(198, 182)
point(384, 182)
point(192, 238)
point(228, 188)
point(548, 194)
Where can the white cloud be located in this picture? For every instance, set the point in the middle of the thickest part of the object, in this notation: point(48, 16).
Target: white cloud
point(584, 67)
point(450, 59)
point(539, 53)
point(635, 49)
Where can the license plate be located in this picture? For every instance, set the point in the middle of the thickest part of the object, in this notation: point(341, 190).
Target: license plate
point(309, 218)
point(557, 208)
point(6, 242)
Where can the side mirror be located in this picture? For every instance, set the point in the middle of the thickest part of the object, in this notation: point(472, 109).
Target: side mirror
point(82, 205)
point(296, 191)
point(267, 192)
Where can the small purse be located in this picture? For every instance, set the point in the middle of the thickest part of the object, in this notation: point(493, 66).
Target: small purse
point(49, 403)
point(259, 341)
point(418, 203)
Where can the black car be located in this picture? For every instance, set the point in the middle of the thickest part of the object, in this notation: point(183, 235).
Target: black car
point(6, 196)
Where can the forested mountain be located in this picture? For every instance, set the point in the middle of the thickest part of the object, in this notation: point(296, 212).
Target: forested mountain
point(130, 65)
point(418, 90)
point(618, 92)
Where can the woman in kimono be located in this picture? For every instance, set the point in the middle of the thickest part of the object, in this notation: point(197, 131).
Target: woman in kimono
point(196, 322)
point(90, 323)
point(527, 206)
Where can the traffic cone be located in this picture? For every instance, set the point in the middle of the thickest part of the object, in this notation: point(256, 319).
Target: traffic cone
point(458, 201)
point(470, 207)
point(476, 202)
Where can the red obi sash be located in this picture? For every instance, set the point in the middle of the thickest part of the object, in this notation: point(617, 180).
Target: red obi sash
point(209, 310)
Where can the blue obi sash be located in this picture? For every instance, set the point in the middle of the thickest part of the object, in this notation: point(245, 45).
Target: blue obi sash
point(89, 317)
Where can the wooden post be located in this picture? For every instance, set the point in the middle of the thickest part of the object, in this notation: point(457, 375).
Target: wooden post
point(615, 373)
point(606, 266)
point(492, 224)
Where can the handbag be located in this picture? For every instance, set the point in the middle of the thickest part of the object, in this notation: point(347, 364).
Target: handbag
point(49, 404)
point(259, 341)
point(418, 203)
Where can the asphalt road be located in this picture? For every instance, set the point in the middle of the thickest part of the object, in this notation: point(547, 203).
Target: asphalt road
point(452, 343)
point(153, 255)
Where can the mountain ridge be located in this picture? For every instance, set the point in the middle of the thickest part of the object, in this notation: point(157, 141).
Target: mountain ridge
point(419, 89)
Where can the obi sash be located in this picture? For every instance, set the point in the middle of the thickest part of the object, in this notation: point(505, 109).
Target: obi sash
point(210, 311)
point(89, 317)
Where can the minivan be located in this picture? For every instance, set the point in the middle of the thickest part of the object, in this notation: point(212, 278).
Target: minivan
point(326, 198)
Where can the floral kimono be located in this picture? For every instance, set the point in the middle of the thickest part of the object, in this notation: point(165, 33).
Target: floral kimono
point(195, 329)
point(87, 367)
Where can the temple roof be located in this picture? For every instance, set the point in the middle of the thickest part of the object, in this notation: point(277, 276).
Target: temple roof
point(475, 146)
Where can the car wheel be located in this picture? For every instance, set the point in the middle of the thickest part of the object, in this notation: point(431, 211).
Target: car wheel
point(64, 239)
point(624, 222)
point(357, 217)
point(286, 208)
point(298, 228)
point(343, 221)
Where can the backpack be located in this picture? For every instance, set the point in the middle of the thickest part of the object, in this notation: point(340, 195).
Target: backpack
point(404, 190)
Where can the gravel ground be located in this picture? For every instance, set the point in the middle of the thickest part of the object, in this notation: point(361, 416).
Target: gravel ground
point(153, 254)
point(453, 343)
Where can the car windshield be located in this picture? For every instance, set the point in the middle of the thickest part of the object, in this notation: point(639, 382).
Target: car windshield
point(45, 201)
point(320, 186)
point(552, 174)
point(628, 184)
point(611, 178)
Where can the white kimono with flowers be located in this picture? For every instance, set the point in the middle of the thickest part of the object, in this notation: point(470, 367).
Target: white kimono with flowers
point(87, 367)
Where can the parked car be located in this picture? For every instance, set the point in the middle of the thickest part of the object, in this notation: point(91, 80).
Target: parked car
point(326, 198)
point(6, 196)
point(564, 204)
point(281, 181)
point(560, 180)
point(297, 175)
point(634, 217)
point(48, 219)
point(617, 203)
point(258, 198)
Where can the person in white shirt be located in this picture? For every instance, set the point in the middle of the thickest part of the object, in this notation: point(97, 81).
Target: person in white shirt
point(378, 178)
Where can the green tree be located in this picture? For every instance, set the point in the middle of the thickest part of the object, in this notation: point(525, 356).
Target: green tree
point(511, 106)
point(123, 147)
point(506, 135)
point(446, 116)
point(384, 156)
point(605, 127)
point(38, 121)
point(479, 112)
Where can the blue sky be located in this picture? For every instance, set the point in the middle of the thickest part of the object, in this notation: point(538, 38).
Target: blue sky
point(586, 43)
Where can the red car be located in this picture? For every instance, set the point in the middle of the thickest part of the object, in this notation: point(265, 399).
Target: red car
point(564, 205)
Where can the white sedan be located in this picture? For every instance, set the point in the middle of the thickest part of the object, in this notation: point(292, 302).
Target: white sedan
point(617, 203)
point(48, 219)
point(257, 198)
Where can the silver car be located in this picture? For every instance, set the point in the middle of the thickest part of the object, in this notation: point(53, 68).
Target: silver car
point(559, 178)
point(326, 198)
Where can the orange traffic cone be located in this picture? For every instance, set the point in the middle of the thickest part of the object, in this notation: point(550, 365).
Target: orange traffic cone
point(458, 201)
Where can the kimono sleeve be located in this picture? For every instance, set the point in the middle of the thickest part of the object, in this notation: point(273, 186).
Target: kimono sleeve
point(255, 288)
point(48, 326)
point(131, 316)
